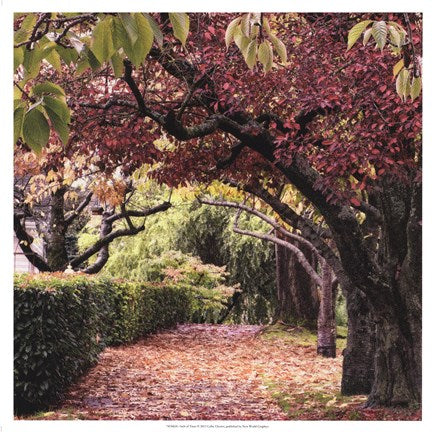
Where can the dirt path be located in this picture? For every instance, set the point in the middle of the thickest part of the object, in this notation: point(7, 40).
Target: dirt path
point(215, 372)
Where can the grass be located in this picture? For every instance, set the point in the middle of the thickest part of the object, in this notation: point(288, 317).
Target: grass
point(301, 336)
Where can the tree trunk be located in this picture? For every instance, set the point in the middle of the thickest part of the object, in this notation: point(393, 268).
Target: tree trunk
point(56, 254)
point(398, 359)
point(296, 293)
point(358, 358)
point(326, 343)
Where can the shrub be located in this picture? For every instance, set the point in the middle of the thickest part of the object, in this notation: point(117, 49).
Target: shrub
point(63, 322)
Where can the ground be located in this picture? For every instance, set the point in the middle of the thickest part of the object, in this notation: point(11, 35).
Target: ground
point(217, 372)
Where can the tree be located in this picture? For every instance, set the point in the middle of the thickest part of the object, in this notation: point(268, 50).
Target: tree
point(61, 207)
point(296, 299)
point(326, 122)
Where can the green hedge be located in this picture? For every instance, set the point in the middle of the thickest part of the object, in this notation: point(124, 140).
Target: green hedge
point(63, 322)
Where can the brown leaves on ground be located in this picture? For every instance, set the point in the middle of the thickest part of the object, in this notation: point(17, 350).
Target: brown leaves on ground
point(215, 372)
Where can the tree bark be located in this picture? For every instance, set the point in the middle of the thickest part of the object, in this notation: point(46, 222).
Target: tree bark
point(326, 341)
point(56, 253)
point(296, 292)
point(358, 355)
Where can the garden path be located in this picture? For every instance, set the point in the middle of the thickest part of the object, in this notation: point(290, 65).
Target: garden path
point(213, 372)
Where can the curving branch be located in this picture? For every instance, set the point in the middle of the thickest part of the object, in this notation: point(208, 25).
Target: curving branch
point(71, 216)
point(297, 252)
point(25, 240)
point(107, 235)
point(278, 227)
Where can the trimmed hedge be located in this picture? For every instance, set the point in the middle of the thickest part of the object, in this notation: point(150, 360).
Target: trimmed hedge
point(63, 322)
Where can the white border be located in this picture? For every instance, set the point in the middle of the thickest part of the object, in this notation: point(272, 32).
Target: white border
point(6, 176)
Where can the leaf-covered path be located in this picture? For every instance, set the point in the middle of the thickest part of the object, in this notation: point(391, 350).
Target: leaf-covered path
point(211, 372)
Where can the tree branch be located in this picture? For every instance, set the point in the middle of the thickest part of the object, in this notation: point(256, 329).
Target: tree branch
point(25, 240)
point(297, 252)
point(70, 217)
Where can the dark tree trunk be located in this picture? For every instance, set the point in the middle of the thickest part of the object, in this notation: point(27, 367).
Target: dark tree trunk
point(326, 341)
point(358, 359)
point(56, 253)
point(398, 311)
point(103, 255)
point(296, 293)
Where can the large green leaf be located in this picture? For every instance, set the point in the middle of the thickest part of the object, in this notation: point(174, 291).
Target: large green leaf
point(145, 37)
point(47, 87)
point(241, 40)
point(367, 35)
point(35, 130)
point(59, 107)
point(250, 54)
point(54, 59)
point(229, 33)
point(356, 31)
point(402, 83)
point(398, 66)
point(280, 48)
point(180, 25)
point(23, 33)
point(265, 55)
point(157, 33)
point(117, 65)
point(416, 86)
point(102, 46)
point(379, 33)
point(130, 25)
point(59, 124)
point(68, 55)
point(18, 56)
point(18, 121)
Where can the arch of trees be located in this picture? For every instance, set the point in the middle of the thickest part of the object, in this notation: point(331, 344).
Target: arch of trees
point(283, 107)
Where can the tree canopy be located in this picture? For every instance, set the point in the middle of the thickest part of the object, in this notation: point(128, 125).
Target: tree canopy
point(283, 110)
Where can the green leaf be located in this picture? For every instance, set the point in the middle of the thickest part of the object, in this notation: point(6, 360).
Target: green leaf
point(241, 40)
point(31, 63)
point(130, 25)
point(265, 55)
point(18, 121)
point(398, 66)
point(82, 66)
point(47, 87)
point(395, 36)
point(54, 59)
point(229, 33)
point(18, 56)
point(245, 25)
point(68, 55)
point(356, 31)
point(102, 46)
point(92, 60)
point(250, 54)
point(180, 25)
point(35, 130)
point(402, 84)
point(117, 65)
point(366, 36)
point(59, 124)
point(23, 33)
point(266, 26)
point(379, 33)
point(157, 33)
point(416, 86)
point(280, 48)
point(59, 107)
point(145, 37)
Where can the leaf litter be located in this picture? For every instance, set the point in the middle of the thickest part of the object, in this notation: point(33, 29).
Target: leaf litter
point(216, 372)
